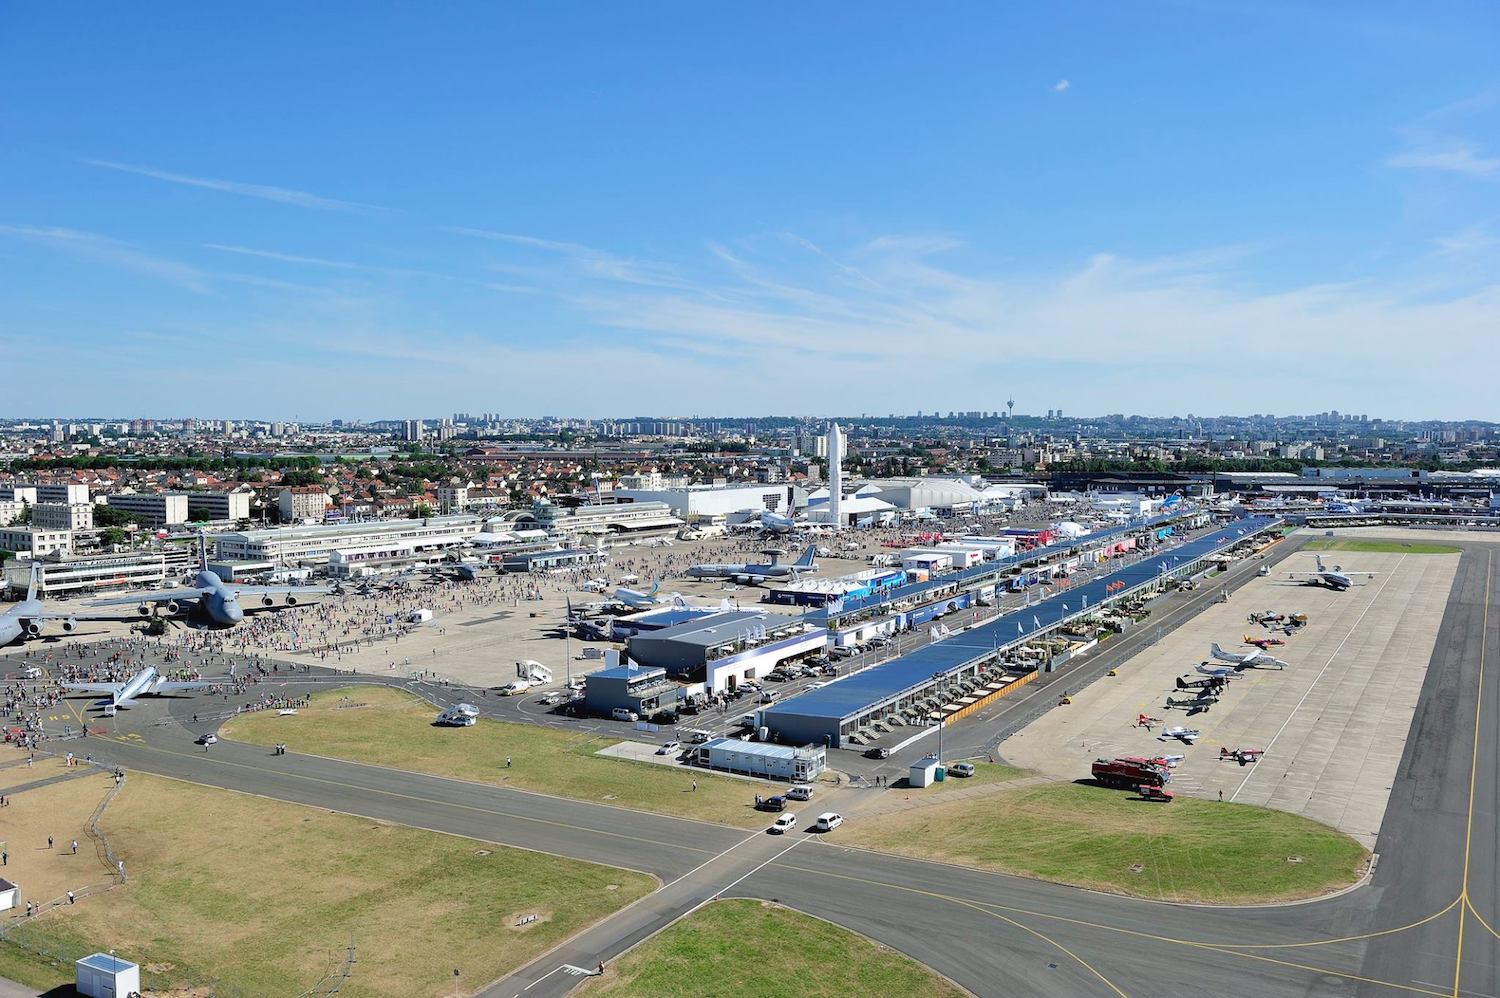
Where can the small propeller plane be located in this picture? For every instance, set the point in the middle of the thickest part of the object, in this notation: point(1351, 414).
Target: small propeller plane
point(1257, 659)
point(1263, 643)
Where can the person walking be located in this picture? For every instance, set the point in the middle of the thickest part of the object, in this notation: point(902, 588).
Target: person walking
point(75, 847)
point(70, 897)
point(49, 842)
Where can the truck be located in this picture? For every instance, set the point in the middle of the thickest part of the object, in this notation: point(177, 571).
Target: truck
point(1129, 772)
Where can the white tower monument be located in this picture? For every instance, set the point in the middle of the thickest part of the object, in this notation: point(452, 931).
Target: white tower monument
point(835, 473)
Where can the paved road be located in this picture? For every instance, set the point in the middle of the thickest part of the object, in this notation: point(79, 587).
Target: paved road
point(1423, 926)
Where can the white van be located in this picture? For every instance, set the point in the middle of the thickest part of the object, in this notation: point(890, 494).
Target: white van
point(800, 791)
point(621, 714)
point(828, 821)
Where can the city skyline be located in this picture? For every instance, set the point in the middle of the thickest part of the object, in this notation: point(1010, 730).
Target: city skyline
point(509, 209)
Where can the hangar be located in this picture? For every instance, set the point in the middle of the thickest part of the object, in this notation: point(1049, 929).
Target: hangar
point(721, 650)
point(829, 715)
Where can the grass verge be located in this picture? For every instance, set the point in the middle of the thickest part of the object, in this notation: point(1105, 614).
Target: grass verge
point(248, 896)
point(390, 727)
point(1189, 850)
point(743, 947)
point(985, 773)
point(1379, 547)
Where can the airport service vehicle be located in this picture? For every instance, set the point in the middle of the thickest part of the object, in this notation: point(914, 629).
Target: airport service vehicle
point(801, 791)
point(621, 714)
point(1264, 572)
point(877, 753)
point(1185, 735)
point(1334, 578)
point(828, 821)
point(1129, 772)
point(783, 824)
point(1257, 659)
point(667, 748)
point(516, 688)
point(964, 769)
point(1155, 794)
point(698, 736)
point(208, 739)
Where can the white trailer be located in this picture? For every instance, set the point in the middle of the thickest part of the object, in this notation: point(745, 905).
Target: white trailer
point(534, 671)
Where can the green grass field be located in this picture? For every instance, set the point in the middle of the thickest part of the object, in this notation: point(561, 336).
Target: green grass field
point(389, 727)
point(247, 896)
point(1378, 547)
point(985, 773)
point(1188, 850)
point(761, 949)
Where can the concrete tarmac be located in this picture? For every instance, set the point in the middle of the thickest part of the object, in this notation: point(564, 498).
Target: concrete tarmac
point(1423, 925)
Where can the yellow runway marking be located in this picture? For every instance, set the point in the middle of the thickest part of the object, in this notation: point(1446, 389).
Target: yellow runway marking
point(1484, 626)
point(1209, 947)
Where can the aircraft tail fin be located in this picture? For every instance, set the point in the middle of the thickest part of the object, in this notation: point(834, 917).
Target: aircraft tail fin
point(806, 561)
point(1318, 559)
point(655, 586)
point(1218, 652)
point(36, 575)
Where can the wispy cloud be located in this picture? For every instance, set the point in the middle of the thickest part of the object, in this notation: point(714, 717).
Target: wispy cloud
point(1460, 159)
point(282, 195)
point(94, 246)
point(313, 261)
point(1061, 86)
point(1475, 239)
point(586, 259)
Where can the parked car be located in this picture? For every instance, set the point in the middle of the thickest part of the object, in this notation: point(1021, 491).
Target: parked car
point(877, 753)
point(828, 821)
point(621, 714)
point(964, 769)
point(801, 791)
point(667, 748)
point(783, 824)
point(772, 804)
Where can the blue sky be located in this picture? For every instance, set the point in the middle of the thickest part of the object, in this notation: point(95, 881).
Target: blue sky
point(378, 211)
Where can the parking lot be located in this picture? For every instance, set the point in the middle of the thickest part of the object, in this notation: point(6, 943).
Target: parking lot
point(1333, 725)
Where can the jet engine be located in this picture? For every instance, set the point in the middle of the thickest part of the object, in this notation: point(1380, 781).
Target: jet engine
point(33, 628)
point(266, 601)
point(291, 600)
point(173, 606)
point(144, 609)
point(70, 624)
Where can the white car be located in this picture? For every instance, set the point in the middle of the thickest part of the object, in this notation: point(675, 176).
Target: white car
point(208, 739)
point(667, 748)
point(784, 823)
point(828, 821)
point(800, 791)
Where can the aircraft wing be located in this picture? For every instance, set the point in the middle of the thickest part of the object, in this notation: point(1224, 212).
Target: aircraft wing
point(50, 615)
point(279, 590)
point(160, 596)
point(113, 688)
point(179, 687)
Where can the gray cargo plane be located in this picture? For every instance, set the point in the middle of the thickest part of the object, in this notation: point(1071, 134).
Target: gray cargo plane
point(25, 619)
point(210, 601)
point(750, 574)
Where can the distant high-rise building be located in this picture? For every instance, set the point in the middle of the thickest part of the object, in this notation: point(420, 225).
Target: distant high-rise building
point(412, 429)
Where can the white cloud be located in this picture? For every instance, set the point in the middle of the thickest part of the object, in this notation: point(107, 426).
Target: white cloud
point(94, 246)
point(282, 257)
point(282, 195)
point(1060, 86)
point(1461, 159)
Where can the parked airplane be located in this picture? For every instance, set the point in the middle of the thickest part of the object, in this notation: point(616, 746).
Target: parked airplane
point(1211, 683)
point(1263, 643)
point(210, 601)
point(755, 574)
point(1225, 672)
point(768, 522)
point(1257, 659)
point(1334, 578)
point(628, 600)
point(25, 619)
point(1194, 704)
point(145, 683)
point(1185, 735)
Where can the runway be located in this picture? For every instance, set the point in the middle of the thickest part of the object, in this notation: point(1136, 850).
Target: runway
point(1423, 925)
